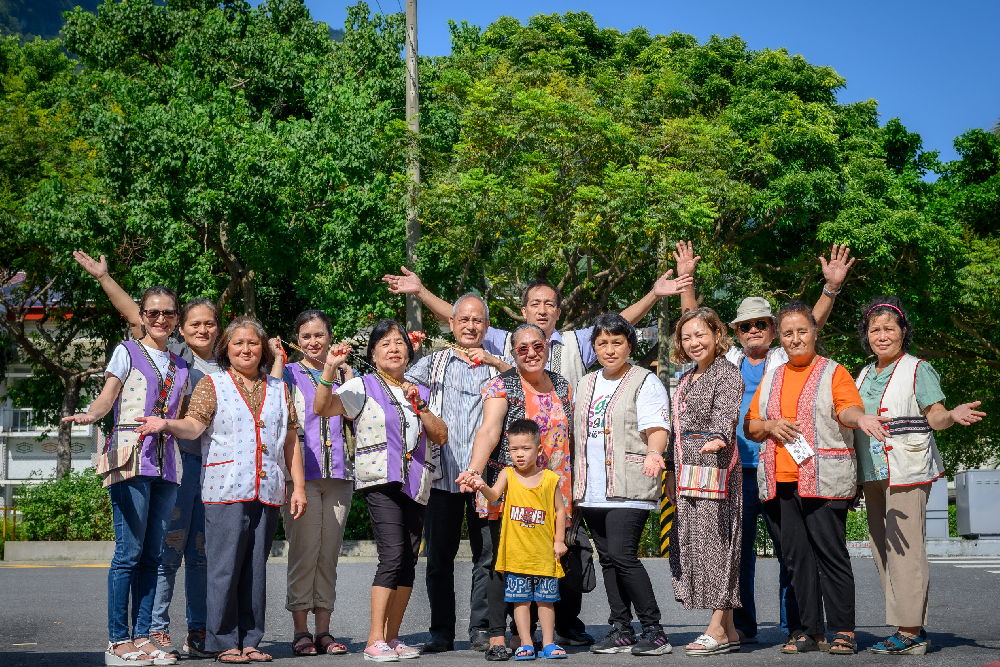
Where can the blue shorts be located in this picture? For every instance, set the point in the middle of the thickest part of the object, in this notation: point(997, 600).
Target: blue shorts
point(531, 588)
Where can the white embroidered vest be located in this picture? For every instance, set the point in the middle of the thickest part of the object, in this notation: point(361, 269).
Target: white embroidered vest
point(911, 450)
point(243, 454)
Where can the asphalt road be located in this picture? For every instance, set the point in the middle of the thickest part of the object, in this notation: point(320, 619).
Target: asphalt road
point(57, 615)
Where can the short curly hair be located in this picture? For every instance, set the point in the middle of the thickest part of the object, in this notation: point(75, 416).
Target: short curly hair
point(886, 304)
point(711, 319)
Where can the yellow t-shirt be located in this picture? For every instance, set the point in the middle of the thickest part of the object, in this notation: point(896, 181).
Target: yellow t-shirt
point(528, 528)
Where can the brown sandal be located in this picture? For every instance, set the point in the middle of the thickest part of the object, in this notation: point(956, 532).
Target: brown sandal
point(264, 657)
point(237, 658)
point(305, 648)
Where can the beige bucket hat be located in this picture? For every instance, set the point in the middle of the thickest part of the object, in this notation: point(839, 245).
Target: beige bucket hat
point(751, 308)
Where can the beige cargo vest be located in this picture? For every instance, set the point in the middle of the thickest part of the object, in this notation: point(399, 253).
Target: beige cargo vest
point(624, 446)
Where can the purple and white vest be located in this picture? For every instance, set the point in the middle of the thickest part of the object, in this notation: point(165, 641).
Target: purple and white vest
point(324, 452)
point(156, 455)
point(243, 453)
point(380, 454)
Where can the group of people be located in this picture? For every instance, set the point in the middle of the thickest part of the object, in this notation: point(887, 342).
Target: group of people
point(507, 432)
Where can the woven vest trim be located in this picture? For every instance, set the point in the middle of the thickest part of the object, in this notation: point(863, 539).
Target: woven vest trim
point(623, 443)
point(912, 449)
point(322, 458)
point(500, 456)
point(241, 445)
point(831, 472)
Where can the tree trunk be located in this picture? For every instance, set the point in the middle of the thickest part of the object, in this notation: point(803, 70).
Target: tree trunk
point(71, 401)
point(249, 293)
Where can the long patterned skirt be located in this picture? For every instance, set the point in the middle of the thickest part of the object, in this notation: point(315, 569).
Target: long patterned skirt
point(705, 548)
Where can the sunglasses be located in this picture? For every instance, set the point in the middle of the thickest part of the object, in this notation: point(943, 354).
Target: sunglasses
point(759, 325)
point(154, 315)
point(522, 350)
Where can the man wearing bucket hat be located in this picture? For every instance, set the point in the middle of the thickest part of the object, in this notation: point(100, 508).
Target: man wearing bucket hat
point(755, 331)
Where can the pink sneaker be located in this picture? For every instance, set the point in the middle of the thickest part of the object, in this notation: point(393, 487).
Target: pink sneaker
point(381, 652)
point(403, 651)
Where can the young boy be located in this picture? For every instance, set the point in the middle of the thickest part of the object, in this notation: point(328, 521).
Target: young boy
point(532, 537)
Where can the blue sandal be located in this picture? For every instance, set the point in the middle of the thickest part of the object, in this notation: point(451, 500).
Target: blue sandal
point(900, 644)
point(530, 655)
point(547, 652)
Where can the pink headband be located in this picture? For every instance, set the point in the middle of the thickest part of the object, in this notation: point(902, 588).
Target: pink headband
point(886, 305)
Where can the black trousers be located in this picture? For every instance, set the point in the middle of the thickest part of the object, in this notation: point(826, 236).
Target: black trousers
point(238, 540)
point(443, 533)
point(397, 521)
point(811, 533)
point(567, 609)
point(616, 534)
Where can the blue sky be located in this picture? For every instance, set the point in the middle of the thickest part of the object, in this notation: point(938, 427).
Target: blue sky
point(933, 64)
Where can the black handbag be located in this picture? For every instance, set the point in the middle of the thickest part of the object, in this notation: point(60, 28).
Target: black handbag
point(578, 562)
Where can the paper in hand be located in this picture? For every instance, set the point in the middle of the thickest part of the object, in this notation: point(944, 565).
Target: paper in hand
point(799, 449)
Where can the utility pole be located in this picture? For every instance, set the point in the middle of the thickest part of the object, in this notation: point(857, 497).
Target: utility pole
point(414, 311)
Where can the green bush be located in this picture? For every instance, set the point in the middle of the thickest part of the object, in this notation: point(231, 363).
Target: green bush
point(857, 526)
point(359, 526)
point(952, 521)
point(74, 507)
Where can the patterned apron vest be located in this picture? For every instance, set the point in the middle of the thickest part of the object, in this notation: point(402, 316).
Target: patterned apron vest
point(381, 455)
point(157, 455)
point(244, 453)
point(325, 454)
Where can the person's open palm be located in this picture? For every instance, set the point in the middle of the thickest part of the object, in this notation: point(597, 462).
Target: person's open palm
point(664, 286)
point(408, 283)
point(687, 262)
point(966, 414)
point(835, 271)
point(96, 268)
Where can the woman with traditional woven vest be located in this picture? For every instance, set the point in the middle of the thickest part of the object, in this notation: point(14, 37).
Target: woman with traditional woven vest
point(141, 472)
point(250, 424)
point(896, 472)
point(525, 391)
point(704, 480)
point(621, 426)
point(803, 414)
point(314, 540)
point(392, 467)
point(199, 329)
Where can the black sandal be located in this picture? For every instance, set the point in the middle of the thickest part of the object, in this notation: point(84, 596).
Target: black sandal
point(843, 645)
point(332, 647)
point(803, 644)
point(305, 648)
point(498, 654)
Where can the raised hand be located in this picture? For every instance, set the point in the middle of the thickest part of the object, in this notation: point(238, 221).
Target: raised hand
point(664, 286)
point(408, 283)
point(96, 268)
point(275, 345)
point(687, 262)
point(965, 414)
point(835, 271)
point(416, 338)
point(337, 355)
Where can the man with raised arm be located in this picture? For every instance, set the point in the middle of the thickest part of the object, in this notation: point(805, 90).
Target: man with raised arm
point(570, 352)
point(755, 331)
point(456, 379)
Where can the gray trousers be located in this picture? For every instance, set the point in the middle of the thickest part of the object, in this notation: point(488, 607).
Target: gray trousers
point(238, 540)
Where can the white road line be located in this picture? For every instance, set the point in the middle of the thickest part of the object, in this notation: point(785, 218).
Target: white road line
point(994, 571)
point(990, 565)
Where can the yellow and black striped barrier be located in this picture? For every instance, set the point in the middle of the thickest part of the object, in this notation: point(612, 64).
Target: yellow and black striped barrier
point(666, 517)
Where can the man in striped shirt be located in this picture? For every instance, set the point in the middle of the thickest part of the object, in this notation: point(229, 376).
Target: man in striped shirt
point(456, 381)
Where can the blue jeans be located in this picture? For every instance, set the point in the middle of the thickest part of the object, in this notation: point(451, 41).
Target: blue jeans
point(745, 618)
point(185, 537)
point(141, 507)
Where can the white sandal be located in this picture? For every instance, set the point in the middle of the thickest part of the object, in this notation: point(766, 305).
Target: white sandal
point(131, 658)
point(712, 646)
point(159, 657)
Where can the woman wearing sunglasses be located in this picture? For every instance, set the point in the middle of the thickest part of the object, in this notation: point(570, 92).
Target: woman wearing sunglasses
point(525, 391)
point(199, 327)
point(141, 473)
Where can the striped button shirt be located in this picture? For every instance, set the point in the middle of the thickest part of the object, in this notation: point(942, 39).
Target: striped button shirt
point(462, 411)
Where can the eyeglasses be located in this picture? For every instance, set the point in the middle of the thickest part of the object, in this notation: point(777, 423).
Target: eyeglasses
point(478, 321)
point(522, 350)
point(154, 315)
point(759, 325)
